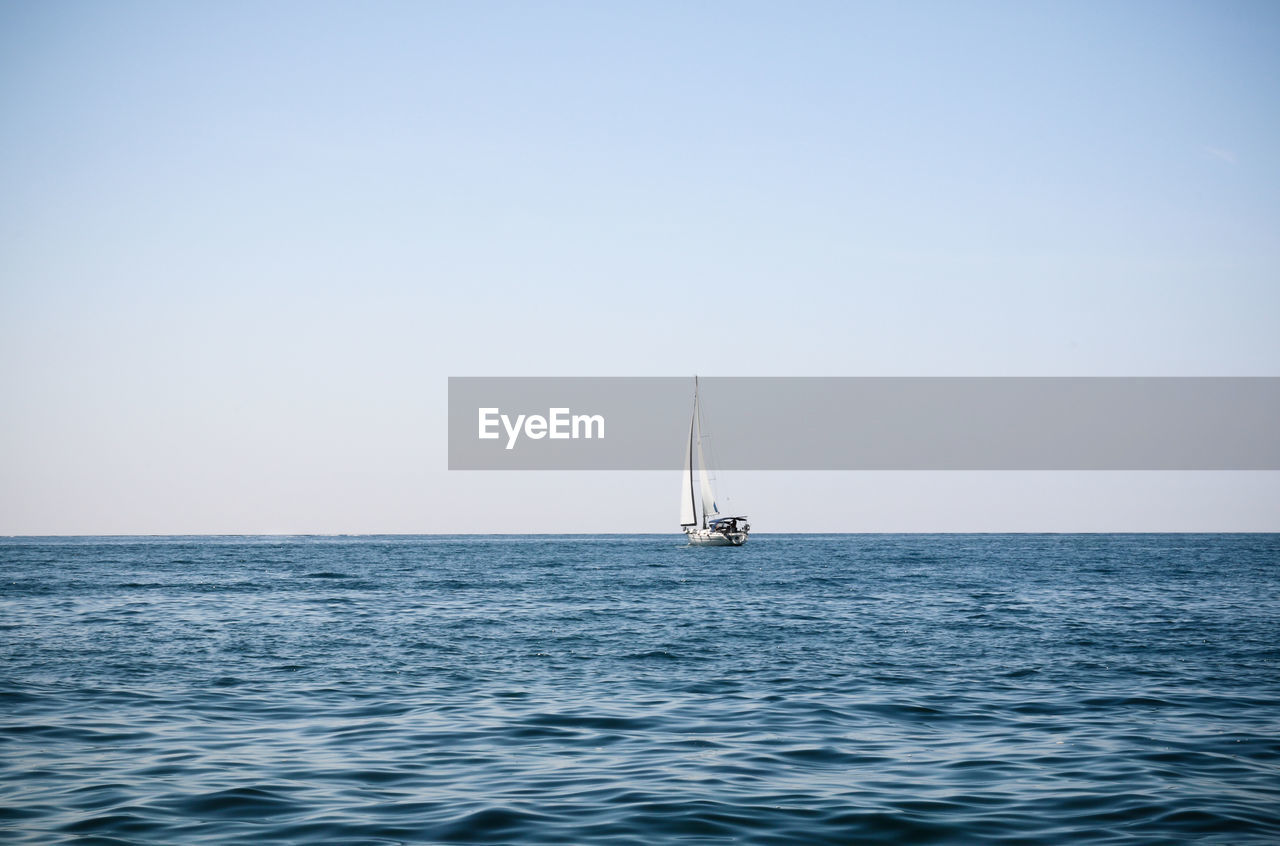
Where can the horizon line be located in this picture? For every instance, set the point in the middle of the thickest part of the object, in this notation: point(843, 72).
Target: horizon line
point(613, 534)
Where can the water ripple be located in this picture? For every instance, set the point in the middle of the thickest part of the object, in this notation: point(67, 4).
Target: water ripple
point(809, 689)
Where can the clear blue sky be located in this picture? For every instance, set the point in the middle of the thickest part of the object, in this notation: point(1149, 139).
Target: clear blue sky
point(243, 245)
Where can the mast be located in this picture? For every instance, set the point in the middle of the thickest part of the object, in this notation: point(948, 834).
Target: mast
point(702, 469)
point(693, 503)
point(689, 517)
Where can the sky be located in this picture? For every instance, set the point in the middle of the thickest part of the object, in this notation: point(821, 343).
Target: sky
point(243, 246)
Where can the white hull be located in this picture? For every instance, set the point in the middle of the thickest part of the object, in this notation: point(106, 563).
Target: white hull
point(705, 537)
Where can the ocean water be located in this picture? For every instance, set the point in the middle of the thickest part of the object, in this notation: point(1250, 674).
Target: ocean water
point(801, 689)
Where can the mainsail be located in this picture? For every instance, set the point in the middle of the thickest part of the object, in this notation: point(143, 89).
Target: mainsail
point(709, 507)
point(687, 515)
point(688, 507)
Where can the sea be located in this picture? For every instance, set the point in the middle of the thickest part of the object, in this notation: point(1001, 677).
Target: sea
point(1115, 689)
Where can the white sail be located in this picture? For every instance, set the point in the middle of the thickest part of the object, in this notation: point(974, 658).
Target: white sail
point(709, 508)
point(687, 517)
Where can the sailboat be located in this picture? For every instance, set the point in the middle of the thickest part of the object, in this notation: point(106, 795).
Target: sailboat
point(712, 529)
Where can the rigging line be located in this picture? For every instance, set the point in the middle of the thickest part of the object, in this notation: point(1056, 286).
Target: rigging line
point(712, 456)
